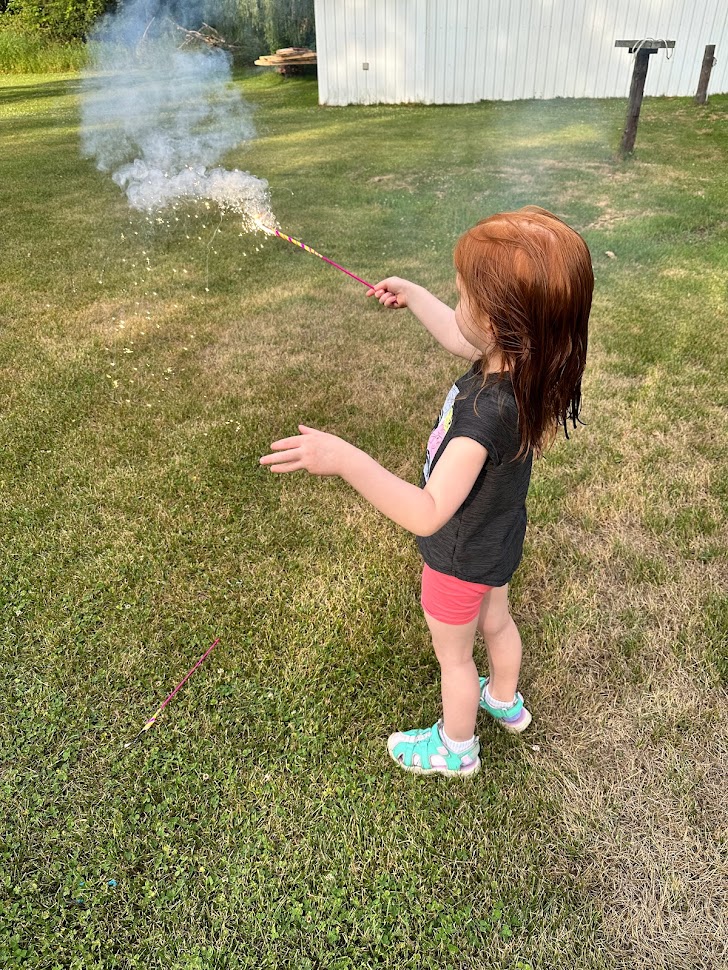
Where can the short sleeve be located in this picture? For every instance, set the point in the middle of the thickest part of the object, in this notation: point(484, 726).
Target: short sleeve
point(490, 417)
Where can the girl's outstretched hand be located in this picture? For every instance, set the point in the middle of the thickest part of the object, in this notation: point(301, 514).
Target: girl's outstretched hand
point(391, 292)
point(313, 451)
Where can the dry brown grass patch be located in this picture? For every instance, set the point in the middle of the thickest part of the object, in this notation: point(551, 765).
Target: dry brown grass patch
point(630, 698)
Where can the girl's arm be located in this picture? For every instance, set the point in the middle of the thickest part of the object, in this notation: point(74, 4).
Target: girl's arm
point(432, 313)
point(421, 511)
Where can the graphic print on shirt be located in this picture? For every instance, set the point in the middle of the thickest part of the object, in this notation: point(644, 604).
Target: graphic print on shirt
point(440, 430)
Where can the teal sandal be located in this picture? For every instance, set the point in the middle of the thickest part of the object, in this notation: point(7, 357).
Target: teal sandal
point(424, 752)
point(514, 718)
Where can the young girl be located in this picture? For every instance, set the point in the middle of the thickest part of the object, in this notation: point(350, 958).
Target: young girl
point(525, 286)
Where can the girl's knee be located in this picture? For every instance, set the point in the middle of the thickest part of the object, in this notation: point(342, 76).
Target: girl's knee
point(495, 617)
point(452, 659)
point(494, 622)
point(451, 651)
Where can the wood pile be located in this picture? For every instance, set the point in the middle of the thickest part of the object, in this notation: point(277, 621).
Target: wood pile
point(289, 60)
point(205, 35)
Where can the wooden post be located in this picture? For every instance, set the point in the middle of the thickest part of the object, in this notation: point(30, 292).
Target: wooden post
point(636, 91)
point(708, 61)
point(643, 48)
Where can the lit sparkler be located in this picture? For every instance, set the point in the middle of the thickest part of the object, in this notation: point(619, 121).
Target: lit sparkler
point(271, 231)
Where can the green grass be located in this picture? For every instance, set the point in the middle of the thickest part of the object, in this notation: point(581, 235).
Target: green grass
point(260, 823)
point(32, 52)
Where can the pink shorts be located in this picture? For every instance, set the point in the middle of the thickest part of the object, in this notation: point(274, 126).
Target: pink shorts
point(450, 600)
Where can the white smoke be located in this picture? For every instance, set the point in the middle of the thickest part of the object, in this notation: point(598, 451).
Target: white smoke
point(160, 119)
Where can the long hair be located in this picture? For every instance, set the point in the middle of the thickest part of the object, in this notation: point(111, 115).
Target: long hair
point(528, 279)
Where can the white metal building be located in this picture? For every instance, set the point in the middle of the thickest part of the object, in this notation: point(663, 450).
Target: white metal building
point(461, 51)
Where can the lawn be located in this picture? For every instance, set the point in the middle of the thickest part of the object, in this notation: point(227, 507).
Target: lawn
point(260, 823)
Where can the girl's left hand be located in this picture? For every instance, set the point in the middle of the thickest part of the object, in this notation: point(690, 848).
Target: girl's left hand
point(313, 451)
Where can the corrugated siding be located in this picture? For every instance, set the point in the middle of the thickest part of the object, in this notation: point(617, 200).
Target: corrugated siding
point(461, 51)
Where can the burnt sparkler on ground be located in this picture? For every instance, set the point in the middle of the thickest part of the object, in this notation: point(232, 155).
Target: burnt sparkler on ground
point(271, 231)
point(169, 696)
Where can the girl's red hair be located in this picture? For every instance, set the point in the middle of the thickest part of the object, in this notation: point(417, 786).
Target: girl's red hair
point(528, 278)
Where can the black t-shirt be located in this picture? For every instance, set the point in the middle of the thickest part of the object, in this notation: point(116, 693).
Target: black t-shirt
point(483, 541)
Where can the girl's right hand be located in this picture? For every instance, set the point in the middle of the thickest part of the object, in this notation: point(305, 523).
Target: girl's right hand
point(391, 292)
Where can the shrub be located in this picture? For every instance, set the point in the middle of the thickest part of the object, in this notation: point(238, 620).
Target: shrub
point(61, 20)
point(34, 52)
point(45, 36)
point(261, 26)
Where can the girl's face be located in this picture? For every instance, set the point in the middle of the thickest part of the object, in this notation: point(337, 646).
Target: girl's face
point(476, 333)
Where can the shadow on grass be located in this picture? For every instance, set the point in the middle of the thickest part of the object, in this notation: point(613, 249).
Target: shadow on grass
point(57, 88)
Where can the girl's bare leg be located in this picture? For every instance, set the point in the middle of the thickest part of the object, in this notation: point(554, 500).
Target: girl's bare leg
point(503, 643)
point(460, 685)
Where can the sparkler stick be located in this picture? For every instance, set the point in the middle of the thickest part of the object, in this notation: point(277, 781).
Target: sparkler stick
point(169, 696)
point(296, 242)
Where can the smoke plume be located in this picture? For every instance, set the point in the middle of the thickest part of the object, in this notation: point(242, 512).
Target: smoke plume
point(160, 118)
